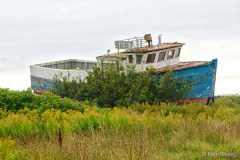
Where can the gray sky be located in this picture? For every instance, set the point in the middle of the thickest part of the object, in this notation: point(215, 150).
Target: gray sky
point(41, 31)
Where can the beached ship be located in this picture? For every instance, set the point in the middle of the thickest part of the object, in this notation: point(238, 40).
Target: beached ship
point(141, 52)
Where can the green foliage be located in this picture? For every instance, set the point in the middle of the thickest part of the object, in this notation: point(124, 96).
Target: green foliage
point(64, 88)
point(230, 100)
point(110, 86)
point(17, 100)
point(10, 150)
point(168, 129)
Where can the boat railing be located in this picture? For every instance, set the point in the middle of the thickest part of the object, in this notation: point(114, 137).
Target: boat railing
point(142, 41)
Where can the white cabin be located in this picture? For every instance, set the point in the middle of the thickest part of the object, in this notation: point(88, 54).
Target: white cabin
point(159, 56)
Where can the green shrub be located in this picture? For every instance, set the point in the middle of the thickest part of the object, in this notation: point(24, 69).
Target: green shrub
point(18, 100)
point(229, 100)
point(111, 86)
point(15, 100)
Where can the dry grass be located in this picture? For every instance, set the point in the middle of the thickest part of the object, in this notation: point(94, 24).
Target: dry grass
point(187, 141)
point(100, 144)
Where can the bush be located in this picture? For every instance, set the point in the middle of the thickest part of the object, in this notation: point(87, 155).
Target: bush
point(110, 86)
point(19, 100)
point(229, 100)
point(15, 100)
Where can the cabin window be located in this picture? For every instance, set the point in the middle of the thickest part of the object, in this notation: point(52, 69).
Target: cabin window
point(151, 58)
point(139, 59)
point(130, 57)
point(161, 56)
point(171, 54)
point(178, 52)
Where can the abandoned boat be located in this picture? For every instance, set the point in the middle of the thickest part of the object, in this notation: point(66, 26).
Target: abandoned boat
point(139, 51)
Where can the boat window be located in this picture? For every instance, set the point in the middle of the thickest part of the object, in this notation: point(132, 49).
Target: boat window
point(130, 59)
point(151, 58)
point(161, 56)
point(178, 52)
point(139, 59)
point(170, 54)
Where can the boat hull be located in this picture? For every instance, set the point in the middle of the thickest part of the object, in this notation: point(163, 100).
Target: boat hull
point(41, 75)
point(41, 85)
point(201, 78)
point(204, 101)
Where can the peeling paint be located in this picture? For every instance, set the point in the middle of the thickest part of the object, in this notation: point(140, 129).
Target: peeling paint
point(202, 78)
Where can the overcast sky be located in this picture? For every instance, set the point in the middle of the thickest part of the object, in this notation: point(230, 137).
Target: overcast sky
point(34, 32)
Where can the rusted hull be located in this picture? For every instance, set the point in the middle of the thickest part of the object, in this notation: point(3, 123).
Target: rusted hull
point(39, 91)
point(204, 101)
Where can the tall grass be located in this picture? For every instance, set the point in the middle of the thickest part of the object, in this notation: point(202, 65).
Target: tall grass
point(184, 141)
point(142, 131)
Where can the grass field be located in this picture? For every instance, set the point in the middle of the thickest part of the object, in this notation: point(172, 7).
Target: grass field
point(142, 131)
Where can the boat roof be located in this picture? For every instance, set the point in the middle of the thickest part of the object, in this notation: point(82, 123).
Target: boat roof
point(163, 46)
point(142, 50)
point(112, 56)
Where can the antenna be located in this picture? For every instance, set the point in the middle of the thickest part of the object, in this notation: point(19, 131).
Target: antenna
point(108, 51)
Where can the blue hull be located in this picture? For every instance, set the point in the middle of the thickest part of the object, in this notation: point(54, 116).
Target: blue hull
point(201, 78)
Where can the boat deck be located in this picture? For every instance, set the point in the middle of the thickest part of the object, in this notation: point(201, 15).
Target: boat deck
point(184, 65)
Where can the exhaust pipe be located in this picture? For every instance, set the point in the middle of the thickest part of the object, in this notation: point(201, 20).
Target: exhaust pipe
point(159, 39)
point(137, 41)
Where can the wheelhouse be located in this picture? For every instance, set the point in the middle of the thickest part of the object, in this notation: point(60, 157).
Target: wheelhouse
point(143, 53)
